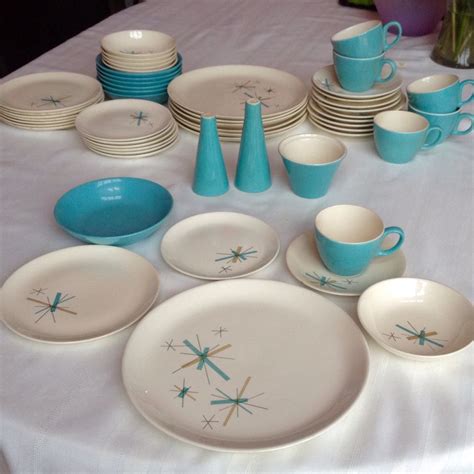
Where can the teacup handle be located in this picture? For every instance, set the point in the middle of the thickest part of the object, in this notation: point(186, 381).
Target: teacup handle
point(462, 84)
point(434, 142)
point(393, 66)
point(397, 25)
point(401, 238)
point(461, 117)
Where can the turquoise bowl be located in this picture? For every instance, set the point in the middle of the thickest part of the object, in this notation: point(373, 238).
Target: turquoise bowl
point(134, 85)
point(113, 211)
point(160, 98)
point(139, 76)
point(134, 90)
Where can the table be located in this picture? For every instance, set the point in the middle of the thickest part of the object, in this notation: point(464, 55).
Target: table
point(63, 408)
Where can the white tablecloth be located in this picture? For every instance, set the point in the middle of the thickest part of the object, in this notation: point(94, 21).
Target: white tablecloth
point(63, 408)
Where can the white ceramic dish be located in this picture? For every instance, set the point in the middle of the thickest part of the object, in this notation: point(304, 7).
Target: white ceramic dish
point(223, 366)
point(417, 319)
point(326, 80)
point(365, 126)
point(315, 109)
point(48, 91)
point(78, 294)
point(359, 107)
point(223, 90)
point(335, 131)
point(220, 245)
point(353, 101)
point(337, 127)
point(306, 266)
point(146, 43)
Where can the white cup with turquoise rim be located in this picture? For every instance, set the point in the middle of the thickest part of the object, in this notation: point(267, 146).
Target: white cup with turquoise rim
point(440, 93)
point(365, 40)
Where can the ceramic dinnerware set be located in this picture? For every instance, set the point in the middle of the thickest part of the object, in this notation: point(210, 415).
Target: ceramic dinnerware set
point(47, 100)
point(127, 128)
point(138, 64)
point(434, 114)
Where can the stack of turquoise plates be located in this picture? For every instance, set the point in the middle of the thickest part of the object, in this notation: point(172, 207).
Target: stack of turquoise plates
point(152, 85)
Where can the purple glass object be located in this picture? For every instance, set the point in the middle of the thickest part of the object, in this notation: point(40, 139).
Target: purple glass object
point(417, 17)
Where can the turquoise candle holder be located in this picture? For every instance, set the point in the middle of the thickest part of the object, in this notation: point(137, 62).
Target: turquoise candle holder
point(253, 169)
point(210, 175)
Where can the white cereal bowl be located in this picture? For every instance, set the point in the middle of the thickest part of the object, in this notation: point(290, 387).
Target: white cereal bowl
point(417, 319)
point(145, 43)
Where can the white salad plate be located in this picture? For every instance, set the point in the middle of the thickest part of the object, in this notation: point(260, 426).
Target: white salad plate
point(303, 261)
point(223, 90)
point(144, 43)
point(338, 131)
point(245, 365)
point(326, 80)
point(336, 124)
point(351, 101)
point(417, 319)
point(220, 245)
point(78, 294)
point(48, 92)
point(362, 107)
point(315, 109)
point(123, 119)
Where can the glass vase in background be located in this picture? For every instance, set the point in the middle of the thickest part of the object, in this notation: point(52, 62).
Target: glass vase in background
point(455, 46)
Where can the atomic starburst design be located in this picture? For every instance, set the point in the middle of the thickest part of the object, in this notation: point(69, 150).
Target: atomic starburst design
point(140, 118)
point(237, 255)
point(46, 307)
point(234, 405)
point(183, 392)
point(421, 337)
point(324, 281)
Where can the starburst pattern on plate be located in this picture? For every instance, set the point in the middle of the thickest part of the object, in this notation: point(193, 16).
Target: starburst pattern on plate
point(237, 255)
point(141, 118)
point(421, 337)
point(324, 281)
point(51, 100)
point(46, 307)
point(234, 405)
point(207, 422)
point(183, 392)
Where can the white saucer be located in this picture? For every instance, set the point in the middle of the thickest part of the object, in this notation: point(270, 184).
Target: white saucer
point(417, 319)
point(304, 263)
point(326, 80)
point(78, 294)
point(245, 365)
point(220, 245)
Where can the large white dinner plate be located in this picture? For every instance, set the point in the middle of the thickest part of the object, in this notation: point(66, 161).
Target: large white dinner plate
point(48, 91)
point(305, 264)
point(78, 294)
point(123, 119)
point(223, 90)
point(220, 245)
point(245, 365)
point(326, 80)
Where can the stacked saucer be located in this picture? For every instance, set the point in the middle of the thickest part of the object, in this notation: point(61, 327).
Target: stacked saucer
point(127, 128)
point(138, 64)
point(47, 100)
point(336, 110)
point(223, 90)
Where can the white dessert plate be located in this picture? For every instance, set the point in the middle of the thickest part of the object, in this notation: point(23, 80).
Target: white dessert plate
point(336, 131)
point(362, 107)
point(361, 127)
point(338, 128)
point(417, 319)
point(223, 90)
point(364, 100)
point(78, 294)
point(146, 43)
point(48, 91)
point(304, 263)
point(326, 80)
point(123, 119)
point(245, 365)
point(220, 245)
point(315, 109)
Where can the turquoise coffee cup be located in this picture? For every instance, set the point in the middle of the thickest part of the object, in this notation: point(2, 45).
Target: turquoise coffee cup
point(360, 74)
point(365, 40)
point(400, 135)
point(349, 237)
point(441, 93)
point(449, 123)
point(311, 160)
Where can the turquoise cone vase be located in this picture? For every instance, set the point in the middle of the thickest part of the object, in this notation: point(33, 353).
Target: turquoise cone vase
point(210, 175)
point(253, 170)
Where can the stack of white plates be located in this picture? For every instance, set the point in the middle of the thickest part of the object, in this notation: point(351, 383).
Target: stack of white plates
point(47, 100)
point(223, 90)
point(127, 128)
point(139, 51)
point(333, 109)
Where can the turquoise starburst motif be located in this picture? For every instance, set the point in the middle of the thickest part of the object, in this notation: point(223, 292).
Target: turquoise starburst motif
point(184, 392)
point(48, 307)
point(237, 255)
point(327, 84)
point(324, 281)
point(234, 405)
point(51, 100)
point(421, 337)
point(140, 118)
point(263, 100)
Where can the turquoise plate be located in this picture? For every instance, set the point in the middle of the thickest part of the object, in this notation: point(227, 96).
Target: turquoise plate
point(113, 211)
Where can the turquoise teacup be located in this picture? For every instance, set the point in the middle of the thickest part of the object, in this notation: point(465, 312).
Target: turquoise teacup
point(360, 74)
point(449, 123)
point(365, 40)
point(311, 160)
point(349, 237)
point(441, 93)
point(400, 135)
